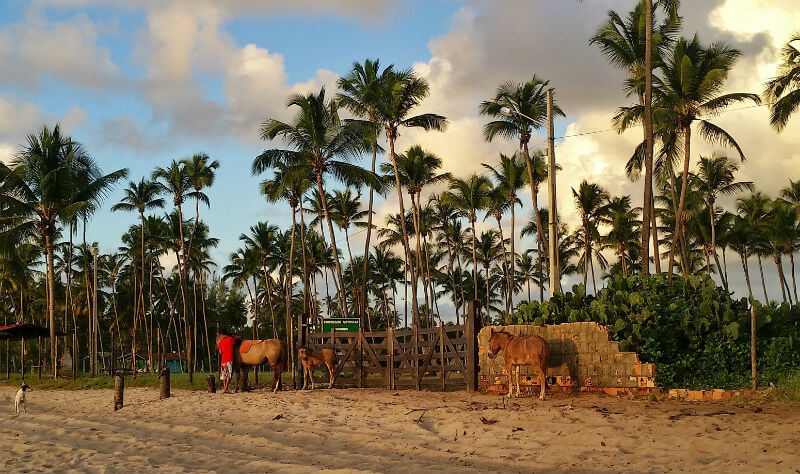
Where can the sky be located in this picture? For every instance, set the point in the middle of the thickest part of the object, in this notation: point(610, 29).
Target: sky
point(141, 83)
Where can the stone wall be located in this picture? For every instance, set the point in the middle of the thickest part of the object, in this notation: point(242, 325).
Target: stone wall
point(581, 355)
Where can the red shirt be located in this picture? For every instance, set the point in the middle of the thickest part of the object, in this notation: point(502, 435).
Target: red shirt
point(226, 348)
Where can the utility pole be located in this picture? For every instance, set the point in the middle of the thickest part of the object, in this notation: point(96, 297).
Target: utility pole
point(555, 273)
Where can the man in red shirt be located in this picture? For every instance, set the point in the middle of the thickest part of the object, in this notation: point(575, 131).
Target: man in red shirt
point(225, 346)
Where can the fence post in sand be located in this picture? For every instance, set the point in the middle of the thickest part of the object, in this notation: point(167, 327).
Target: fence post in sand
point(390, 358)
point(163, 382)
point(471, 345)
point(119, 389)
point(360, 358)
point(441, 354)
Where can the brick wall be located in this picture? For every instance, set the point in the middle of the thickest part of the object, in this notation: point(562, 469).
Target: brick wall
point(581, 355)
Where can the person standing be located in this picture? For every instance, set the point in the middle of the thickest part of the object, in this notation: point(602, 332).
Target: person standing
point(225, 347)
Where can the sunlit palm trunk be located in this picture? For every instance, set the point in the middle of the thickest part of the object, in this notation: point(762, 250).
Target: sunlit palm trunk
point(365, 268)
point(342, 302)
point(181, 276)
point(414, 304)
point(51, 314)
point(513, 273)
point(587, 252)
point(794, 281)
point(289, 319)
point(656, 250)
point(474, 258)
point(781, 278)
point(506, 273)
point(268, 287)
point(534, 196)
point(307, 305)
point(648, 136)
point(452, 279)
point(746, 273)
point(420, 274)
point(687, 141)
point(763, 283)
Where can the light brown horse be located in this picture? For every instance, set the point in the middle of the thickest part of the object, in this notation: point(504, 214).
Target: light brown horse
point(310, 360)
point(517, 351)
point(249, 353)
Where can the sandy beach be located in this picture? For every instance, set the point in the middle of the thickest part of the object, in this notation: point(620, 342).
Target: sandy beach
point(373, 430)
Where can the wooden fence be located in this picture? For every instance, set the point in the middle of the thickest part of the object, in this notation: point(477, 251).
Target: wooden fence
point(418, 357)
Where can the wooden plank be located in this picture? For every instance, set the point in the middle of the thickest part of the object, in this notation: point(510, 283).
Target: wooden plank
point(372, 355)
point(454, 354)
point(345, 358)
point(425, 364)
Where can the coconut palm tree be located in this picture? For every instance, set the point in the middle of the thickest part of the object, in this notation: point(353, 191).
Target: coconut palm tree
point(400, 94)
point(636, 45)
point(716, 177)
point(621, 238)
point(693, 78)
point(782, 238)
point(469, 196)
point(262, 239)
point(783, 92)
point(511, 178)
point(360, 91)
point(754, 210)
point(591, 200)
point(318, 136)
point(49, 181)
point(173, 180)
point(518, 110)
point(496, 206)
point(346, 212)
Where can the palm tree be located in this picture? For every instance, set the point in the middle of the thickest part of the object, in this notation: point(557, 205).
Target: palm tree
point(754, 210)
point(174, 180)
point(518, 109)
point(262, 240)
point(693, 77)
point(140, 197)
point(400, 94)
point(318, 136)
point(496, 206)
point(469, 196)
point(621, 238)
point(591, 201)
point(487, 253)
point(716, 177)
point(48, 182)
point(635, 45)
point(783, 92)
point(345, 212)
point(511, 178)
point(360, 92)
point(782, 238)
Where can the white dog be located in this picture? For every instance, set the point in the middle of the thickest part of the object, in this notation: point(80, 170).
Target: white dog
point(19, 400)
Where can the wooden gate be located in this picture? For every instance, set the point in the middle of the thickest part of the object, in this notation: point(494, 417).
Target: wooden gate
point(417, 357)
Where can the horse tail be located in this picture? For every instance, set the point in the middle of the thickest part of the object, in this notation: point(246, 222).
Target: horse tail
point(282, 363)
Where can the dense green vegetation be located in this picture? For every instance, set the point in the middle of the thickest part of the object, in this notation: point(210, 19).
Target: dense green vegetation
point(696, 334)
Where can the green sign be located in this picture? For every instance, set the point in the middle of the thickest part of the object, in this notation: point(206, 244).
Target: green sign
point(340, 324)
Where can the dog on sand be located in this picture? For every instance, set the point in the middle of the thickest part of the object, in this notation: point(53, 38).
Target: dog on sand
point(19, 399)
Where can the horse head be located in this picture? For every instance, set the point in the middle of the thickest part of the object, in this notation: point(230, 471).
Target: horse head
point(495, 343)
point(302, 352)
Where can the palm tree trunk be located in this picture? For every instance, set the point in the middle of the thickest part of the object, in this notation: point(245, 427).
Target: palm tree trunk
point(746, 274)
point(306, 293)
point(687, 141)
point(474, 260)
point(505, 264)
point(794, 281)
point(513, 252)
point(488, 300)
point(369, 225)
point(269, 302)
point(419, 274)
point(777, 259)
point(452, 277)
point(586, 256)
point(399, 186)
point(541, 285)
point(534, 198)
point(763, 284)
point(51, 314)
point(181, 283)
point(342, 302)
point(656, 252)
point(648, 136)
point(289, 320)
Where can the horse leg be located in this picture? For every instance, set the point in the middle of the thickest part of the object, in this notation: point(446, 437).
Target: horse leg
point(510, 372)
point(238, 371)
point(276, 374)
point(517, 374)
point(542, 382)
point(330, 375)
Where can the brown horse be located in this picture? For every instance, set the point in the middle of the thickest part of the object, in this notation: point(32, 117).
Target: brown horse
point(517, 351)
point(310, 360)
point(249, 353)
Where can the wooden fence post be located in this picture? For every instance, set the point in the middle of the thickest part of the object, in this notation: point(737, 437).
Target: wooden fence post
point(390, 358)
point(416, 356)
point(360, 358)
point(119, 389)
point(441, 354)
point(471, 336)
point(163, 382)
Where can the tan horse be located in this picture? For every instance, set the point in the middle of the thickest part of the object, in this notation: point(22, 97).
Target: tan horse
point(517, 351)
point(310, 360)
point(250, 353)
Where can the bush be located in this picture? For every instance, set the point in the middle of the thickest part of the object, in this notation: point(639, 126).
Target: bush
point(696, 334)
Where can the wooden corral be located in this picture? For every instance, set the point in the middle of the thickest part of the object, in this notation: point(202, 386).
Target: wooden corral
point(582, 356)
point(416, 357)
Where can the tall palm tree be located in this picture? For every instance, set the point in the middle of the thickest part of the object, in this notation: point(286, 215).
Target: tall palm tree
point(621, 238)
point(173, 180)
point(518, 110)
point(346, 211)
point(715, 178)
point(636, 45)
point(400, 94)
point(693, 78)
point(360, 91)
point(511, 178)
point(783, 92)
point(318, 137)
point(262, 239)
point(49, 181)
point(496, 206)
point(469, 196)
point(140, 197)
point(782, 238)
point(591, 201)
point(754, 210)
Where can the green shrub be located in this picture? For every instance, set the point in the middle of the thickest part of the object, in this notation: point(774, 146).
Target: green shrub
point(696, 334)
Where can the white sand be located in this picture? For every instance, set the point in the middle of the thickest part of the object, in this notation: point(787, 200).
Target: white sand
point(374, 430)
